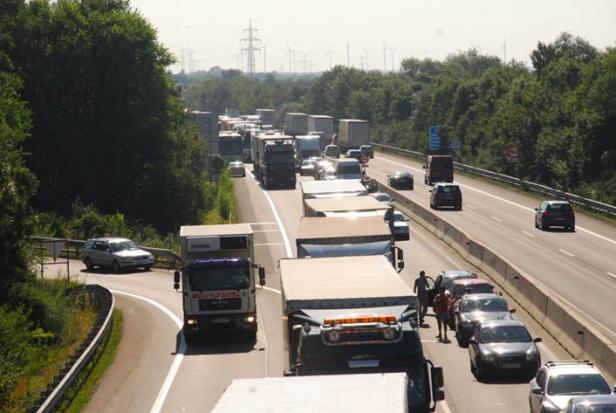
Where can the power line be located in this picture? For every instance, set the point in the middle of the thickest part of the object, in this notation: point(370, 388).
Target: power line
point(250, 47)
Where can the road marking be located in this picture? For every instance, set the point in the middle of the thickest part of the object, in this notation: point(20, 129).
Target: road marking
point(528, 233)
point(265, 230)
point(177, 359)
point(267, 244)
point(259, 223)
point(611, 274)
point(285, 238)
point(506, 201)
point(566, 252)
point(470, 206)
point(496, 219)
point(271, 289)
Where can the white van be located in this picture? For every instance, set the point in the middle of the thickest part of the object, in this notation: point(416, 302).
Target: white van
point(348, 168)
point(332, 151)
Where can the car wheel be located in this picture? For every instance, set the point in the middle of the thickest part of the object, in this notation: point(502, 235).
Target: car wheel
point(88, 263)
point(480, 373)
point(115, 266)
point(147, 267)
point(572, 228)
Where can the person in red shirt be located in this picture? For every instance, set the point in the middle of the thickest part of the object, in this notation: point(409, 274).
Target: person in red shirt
point(441, 310)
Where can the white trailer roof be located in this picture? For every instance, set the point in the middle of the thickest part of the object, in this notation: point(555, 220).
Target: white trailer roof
point(332, 187)
point(353, 204)
point(349, 282)
point(343, 393)
point(213, 230)
point(342, 227)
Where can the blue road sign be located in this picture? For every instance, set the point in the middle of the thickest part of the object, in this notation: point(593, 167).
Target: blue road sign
point(435, 140)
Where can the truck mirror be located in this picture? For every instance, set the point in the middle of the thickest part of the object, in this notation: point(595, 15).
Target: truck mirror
point(438, 380)
point(176, 280)
point(439, 395)
point(400, 254)
point(400, 266)
point(261, 276)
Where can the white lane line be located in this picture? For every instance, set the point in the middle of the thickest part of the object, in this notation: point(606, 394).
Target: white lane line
point(265, 230)
point(260, 223)
point(470, 206)
point(271, 289)
point(177, 359)
point(268, 244)
point(528, 233)
point(566, 252)
point(578, 228)
point(496, 219)
point(285, 238)
point(611, 274)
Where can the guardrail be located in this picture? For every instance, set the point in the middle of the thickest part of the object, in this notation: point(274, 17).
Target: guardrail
point(164, 258)
point(69, 375)
point(573, 331)
point(590, 204)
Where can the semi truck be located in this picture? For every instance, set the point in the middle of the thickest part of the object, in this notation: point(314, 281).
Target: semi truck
point(306, 146)
point(295, 123)
point(359, 206)
point(331, 189)
point(231, 146)
point(323, 124)
point(273, 158)
point(349, 393)
point(342, 237)
point(218, 279)
point(267, 116)
point(355, 315)
point(352, 133)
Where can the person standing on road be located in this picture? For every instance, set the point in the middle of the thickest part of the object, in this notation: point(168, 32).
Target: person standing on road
point(441, 310)
point(421, 289)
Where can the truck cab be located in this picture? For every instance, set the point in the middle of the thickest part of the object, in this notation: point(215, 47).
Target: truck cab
point(355, 315)
point(218, 279)
point(306, 147)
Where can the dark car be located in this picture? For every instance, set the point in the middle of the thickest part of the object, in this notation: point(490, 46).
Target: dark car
point(600, 403)
point(503, 347)
point(555, 213)
point(401, 180)
point(475, 308)
point(367, 151)
point(446, 194)
point(439, 168)
point(446, 279)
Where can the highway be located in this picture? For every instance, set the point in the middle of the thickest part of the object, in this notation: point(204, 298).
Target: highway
point(580, 267)
point(154, 372)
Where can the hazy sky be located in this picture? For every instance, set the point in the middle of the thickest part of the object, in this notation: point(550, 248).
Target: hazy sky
point(318, 31)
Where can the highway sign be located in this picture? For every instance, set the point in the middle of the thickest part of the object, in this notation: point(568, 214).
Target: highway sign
point(435, 140)
point(455, 145)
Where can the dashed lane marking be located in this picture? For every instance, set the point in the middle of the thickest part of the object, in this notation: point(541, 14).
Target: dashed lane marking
point(566, 252)
point(269, 244)
point(611, 274)
point(470, 206)
point(528, 233)
point(497, 219)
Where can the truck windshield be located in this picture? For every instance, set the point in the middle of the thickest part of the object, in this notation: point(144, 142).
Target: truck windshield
point(442, 163)
point(279, 157)
point(218, 278)
point(307, 153)
point(344, 250)
point(231, 146)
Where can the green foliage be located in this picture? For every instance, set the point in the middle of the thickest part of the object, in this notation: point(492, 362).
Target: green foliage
point(223, 208)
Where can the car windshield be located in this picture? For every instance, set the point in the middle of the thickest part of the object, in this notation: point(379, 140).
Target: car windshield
point(504, 334)
point(460, 290)
point(218, 278)
point(590, 407)
point(489, 304)
point(349, 170)
point(397, 217)
point(448, 188)
point(559, 207)
point(571, 384)
point(123, 246)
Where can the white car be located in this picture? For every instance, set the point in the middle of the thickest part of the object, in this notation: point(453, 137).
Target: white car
point(399, 226)
point(237, 168)
point(116, 253)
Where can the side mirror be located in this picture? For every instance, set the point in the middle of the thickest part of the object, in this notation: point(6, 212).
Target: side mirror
point(176, 280)
point(512, 311)
point(536, 390)
point(261, 276)
point(438, 380)
point(400, 266)
point(535, 209)
point(537, 340)
point(400, 255)
point(439, 395)
point(472, 341)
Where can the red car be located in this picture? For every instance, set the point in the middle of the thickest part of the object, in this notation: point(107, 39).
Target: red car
point(462, 287)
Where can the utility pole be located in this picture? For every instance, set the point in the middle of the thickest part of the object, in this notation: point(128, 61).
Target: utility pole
point(183, 60)
point(264, 60)
point(504, 51)
point(250, 42)
point(384, 58)
point(393, 68)
point(190, 61)
point(348, 50)
point(329, 55)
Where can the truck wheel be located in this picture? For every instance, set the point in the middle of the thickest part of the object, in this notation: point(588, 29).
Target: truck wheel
point(88, 263)
point(115, 266)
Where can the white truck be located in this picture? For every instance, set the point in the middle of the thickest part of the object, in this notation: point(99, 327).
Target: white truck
point(352, 133)
point(343, 237)
point(295, 123)
point(218, 279)
point(349, 393)
point(306, 146)
point(355, 315)
point(331, 189)
point(323, 124)
point(267, 116)
point(359, 206)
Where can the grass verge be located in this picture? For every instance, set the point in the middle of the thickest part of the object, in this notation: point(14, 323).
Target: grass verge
point(96, 368)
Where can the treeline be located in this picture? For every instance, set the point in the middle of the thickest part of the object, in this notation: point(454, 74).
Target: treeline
point(554, 123)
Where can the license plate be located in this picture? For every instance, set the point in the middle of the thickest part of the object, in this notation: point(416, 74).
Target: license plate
point(220, 320)
point(511, 365)
point(360, 364)
point(560, 219)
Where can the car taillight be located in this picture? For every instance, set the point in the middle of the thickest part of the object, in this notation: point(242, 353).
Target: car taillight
point(572, 215)
point(546, 214)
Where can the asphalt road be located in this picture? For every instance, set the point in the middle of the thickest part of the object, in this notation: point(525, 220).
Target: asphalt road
point(154, 372)
point(580, 266)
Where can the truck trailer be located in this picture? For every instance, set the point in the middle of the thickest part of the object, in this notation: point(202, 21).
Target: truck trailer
point(359, 206)
point(218, 280)
point(350, 393)
point(343, 237)
point(331, 189)
point(306, 146)
point(267, 116)
point(323, 124)
point(355, 315)
point(295, 124)
point(273, 158)
point(352, 133)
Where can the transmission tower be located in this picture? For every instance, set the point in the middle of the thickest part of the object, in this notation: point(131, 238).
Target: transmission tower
point(250, 43)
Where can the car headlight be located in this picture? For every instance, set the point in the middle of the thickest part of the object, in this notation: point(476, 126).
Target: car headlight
point(531, 354)
point(549, 407)
point(334, 336)
point(487, 356)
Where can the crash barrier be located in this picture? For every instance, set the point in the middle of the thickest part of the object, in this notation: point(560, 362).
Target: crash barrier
point(71, 248)
point(575, 333)
point(525, 185)
point(56, 392)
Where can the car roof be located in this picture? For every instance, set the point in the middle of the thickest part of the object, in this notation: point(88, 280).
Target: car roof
point(380, 194)
point(457, 273)
point(402, 173)
point(558, 201)
point(470, 281)
point(571, 367)
point(446, 184)
point(502, 323)
point(482, 296)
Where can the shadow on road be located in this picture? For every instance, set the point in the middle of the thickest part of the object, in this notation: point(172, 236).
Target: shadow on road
point(108, 271)
point(219, 344)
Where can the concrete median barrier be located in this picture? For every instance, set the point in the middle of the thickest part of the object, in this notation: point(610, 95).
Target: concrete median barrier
point(571, 329)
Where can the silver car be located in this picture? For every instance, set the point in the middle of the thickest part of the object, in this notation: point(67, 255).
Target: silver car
point(400, 228)
point(592, 404)
point(116, 253)
point(237, 168)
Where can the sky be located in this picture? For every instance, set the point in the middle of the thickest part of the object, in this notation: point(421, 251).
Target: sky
point(313, 35)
